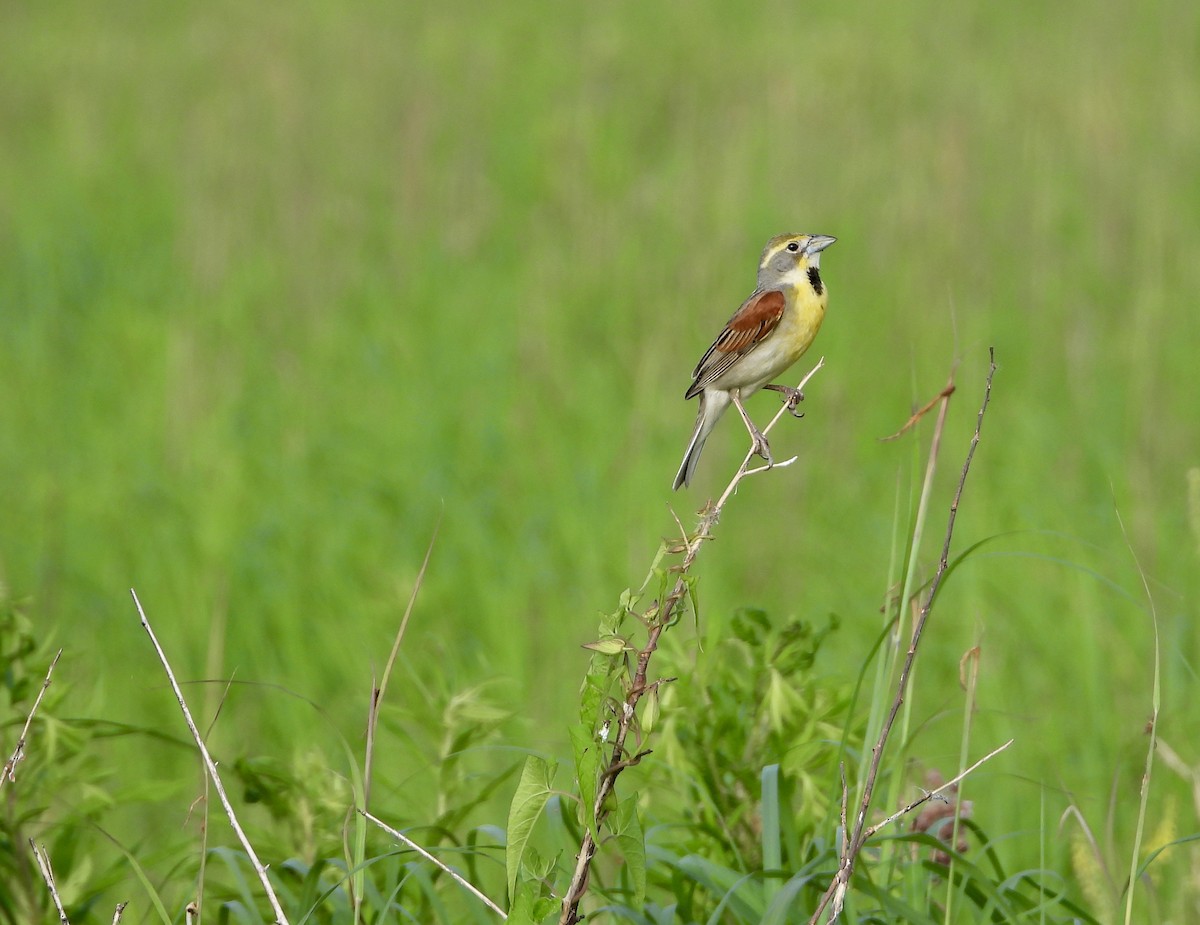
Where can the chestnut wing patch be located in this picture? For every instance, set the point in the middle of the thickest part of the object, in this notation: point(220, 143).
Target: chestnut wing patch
point(757, 318)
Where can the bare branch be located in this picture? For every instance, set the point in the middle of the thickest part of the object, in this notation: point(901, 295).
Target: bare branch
point(930, 794)
point(449, 871)
point(745, 470)
point(211, 765)
point(10, 766)
point(946, 392)
point(378, 692)
point(43, 863)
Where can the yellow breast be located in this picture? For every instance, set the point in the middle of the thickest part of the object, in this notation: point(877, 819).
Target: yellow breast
point(801, 320)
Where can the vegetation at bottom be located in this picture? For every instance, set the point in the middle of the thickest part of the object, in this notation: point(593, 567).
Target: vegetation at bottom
point(733, 815)
point(285, 290)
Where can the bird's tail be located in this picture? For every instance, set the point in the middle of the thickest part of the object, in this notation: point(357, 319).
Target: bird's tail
point(712, 406)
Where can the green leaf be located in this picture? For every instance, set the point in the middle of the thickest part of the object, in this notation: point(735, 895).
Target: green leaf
point(693, 598)
point(633, 846)
point(651, 710)
point(609, 645)
point(771, 846)
point(783, 908)
point(529, 907)
point(751, 625)
point(780, 701)
point(591, 696)
point(743, 905)
point(537, 867)
point(655, 571)
point(521, 912)
point(533, 791)
point(611, 622)
point(587, 752)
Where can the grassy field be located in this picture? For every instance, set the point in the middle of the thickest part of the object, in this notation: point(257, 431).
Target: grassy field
point(283, 288)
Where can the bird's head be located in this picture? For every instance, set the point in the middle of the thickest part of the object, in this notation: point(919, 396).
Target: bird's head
point(789, 257)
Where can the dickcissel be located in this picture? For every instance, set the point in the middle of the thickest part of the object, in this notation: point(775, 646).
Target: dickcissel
point(764, 337)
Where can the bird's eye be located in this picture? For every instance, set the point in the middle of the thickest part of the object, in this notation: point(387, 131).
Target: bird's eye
point(793, 246)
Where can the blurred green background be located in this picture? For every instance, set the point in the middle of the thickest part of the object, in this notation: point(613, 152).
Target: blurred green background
point(283, 286)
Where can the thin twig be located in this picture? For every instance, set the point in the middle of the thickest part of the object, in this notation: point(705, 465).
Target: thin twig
point(946, 392)
point(836, 891)
point(1151, 728)
point(378, 691)
point(450, 871)
point(43, 863)
point(204, 801)
point(626, 714)
point(845, 800)
point(930, 794)
point(744, 470)
point(211, 765)
point(10, 766)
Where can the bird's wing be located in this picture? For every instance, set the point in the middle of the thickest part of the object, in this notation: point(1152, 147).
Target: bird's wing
point(748, 327)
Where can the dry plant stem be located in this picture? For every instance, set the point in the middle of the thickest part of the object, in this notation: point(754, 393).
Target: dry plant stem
point(211, 765)
point(845, 800)
point(10, 766)
point(930, 794)
point(1151, 728)
point(921, 412)
point(836, 891)
point(43, 863)
point(451, 872)
point(377, 692)
point(617, 761)
point(205, 804)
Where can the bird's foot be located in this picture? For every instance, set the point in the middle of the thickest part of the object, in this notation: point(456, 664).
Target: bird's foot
point(791, 397)
point(760, 446)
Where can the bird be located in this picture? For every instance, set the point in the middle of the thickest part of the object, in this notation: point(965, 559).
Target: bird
point(766, 335)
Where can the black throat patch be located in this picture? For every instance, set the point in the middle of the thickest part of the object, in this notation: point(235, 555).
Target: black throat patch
point(815, 278)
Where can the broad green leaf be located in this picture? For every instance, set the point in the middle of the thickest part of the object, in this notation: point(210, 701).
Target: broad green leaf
point(591, 696)
point(533, 791)
point(521, 912)
point(633, 846)
point(587, 752)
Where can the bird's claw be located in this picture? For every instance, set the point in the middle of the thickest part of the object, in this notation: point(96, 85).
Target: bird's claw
point(762, 448)
point(791, 398)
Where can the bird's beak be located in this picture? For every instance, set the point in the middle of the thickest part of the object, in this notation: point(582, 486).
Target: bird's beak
point(818, 243)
